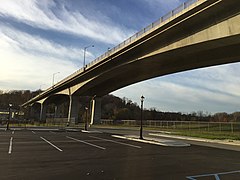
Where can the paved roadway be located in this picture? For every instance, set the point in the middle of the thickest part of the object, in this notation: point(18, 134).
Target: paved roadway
point(53, 154)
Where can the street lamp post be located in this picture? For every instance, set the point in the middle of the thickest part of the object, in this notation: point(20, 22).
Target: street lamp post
point(9, 117)
point(141, 127)
point(86, 120)
point(53, 78)
point(84, 55)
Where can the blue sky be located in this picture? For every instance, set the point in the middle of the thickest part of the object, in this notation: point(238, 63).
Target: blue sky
point(39, 38)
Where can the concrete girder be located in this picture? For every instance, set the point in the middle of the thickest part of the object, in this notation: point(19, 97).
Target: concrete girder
point(162, 64)
point(75, 90)
point(56, 99)
point(41, 101)
point(221, 34)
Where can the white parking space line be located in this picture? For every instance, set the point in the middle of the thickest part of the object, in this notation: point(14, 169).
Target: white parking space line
point(52, 132)
point(33, 132)
point(12, 132)
point(51, 144)
point(125, 144)
point(10, 146)
point(90, 144)
point(216, 175)
point(84, 131)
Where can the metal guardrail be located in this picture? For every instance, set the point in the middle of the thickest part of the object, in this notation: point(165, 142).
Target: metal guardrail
point(128, 41)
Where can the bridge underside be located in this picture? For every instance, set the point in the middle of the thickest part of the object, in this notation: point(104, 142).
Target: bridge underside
point(196, 56)
point(206, 35)
point(207, 38)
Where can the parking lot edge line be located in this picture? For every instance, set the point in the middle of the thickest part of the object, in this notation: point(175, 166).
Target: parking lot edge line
point(90, 144)
point(125, 144)
point(10, 146)
point(51, 144)
point(190, 178)
point(215, 175)
point(230, 172)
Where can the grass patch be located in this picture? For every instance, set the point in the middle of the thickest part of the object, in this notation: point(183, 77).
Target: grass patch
point(202, 133)
point(209, 135)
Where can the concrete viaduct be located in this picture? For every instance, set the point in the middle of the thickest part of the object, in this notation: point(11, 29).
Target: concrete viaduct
point(199, 33)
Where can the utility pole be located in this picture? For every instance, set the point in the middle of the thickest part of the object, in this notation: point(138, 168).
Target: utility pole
point(9, 116)
point(86, 120)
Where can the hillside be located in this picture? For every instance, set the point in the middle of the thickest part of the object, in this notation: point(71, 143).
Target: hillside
point(114, 108)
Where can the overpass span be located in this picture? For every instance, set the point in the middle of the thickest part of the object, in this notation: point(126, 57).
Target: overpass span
point(197, 34)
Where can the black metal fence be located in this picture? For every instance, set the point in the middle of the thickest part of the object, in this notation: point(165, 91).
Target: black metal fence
point(181, 125)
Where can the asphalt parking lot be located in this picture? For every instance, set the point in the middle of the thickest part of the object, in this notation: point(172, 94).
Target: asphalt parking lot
point(59, 154)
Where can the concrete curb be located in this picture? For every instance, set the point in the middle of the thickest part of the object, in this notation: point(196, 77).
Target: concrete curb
point(225, 142)
point(84, 131)
point(153, 141)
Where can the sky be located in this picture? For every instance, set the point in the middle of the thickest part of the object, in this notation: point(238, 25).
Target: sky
point(41, 38)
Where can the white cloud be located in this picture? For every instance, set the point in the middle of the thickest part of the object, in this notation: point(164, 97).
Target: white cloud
point(37, 45)
point(213, 89)
point(22, 69)
point(222, 79)
point(40, 14)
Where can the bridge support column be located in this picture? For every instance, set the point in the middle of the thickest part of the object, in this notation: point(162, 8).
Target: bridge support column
point(73, 109)
point(57, 111)
point(96, 111)
point(43, 112)
point(34, 112)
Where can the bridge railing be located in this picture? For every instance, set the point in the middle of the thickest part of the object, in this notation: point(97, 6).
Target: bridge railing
point(128, 41)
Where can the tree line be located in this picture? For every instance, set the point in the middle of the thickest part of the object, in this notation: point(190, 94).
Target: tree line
point(115, 108)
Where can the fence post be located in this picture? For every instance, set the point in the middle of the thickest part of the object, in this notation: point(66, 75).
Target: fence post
point(232, 127)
